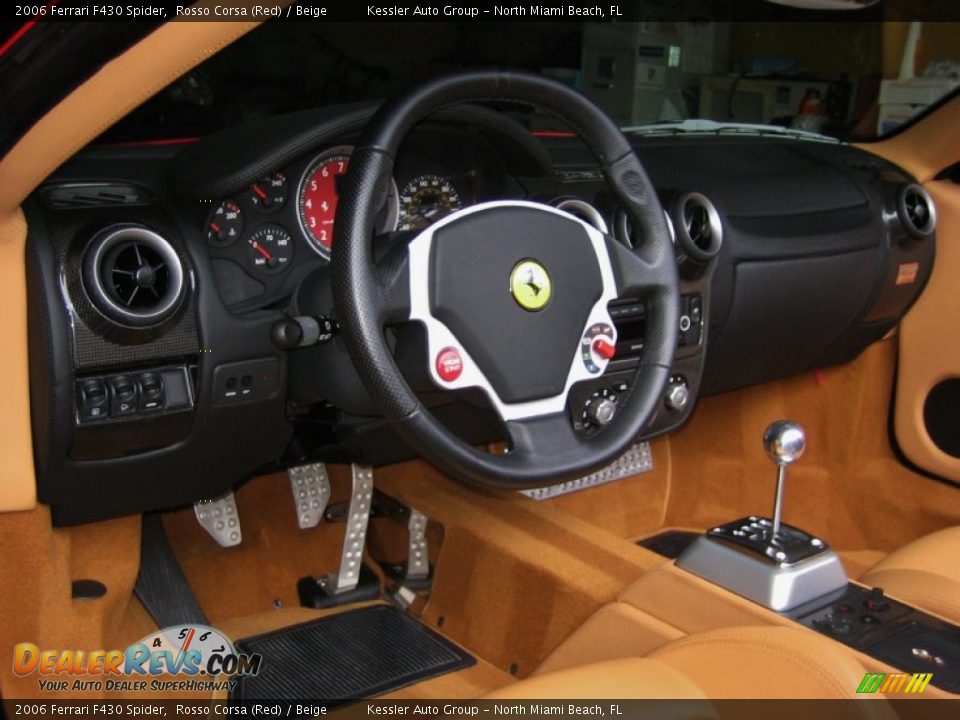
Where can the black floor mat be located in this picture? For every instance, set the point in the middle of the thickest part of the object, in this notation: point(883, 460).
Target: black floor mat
point(356, 654)
point(670, 543)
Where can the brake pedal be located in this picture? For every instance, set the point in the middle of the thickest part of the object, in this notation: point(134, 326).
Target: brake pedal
point(220, 518)
point(310, 485)
point(353, 581)
point(355, 538)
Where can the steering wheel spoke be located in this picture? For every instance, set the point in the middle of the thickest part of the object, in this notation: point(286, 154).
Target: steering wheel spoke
point(544, 436)
point(392, 275)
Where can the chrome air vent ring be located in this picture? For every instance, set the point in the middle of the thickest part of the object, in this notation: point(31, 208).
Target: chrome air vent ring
point(583, 210)
point(623, 228)
point(698, 227)
point(917, 212)
point(132, 275)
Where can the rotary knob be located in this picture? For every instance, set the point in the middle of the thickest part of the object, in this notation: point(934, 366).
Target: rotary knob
point(678, 394)
point(600, 409)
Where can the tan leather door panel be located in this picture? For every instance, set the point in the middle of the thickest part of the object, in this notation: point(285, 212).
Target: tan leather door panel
point(929, 350)
point(930, 341)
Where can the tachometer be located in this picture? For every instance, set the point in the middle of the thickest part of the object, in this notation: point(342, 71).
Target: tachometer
point(426, 199)
point(317, 202)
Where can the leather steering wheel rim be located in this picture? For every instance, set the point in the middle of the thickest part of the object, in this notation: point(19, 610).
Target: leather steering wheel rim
point(547, 450)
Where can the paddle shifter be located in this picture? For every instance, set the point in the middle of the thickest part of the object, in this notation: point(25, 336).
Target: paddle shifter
point(785, 442)
point(772, 563)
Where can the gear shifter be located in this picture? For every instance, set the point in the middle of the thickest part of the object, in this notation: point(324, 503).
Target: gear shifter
point(784, 442)
point(765, 560)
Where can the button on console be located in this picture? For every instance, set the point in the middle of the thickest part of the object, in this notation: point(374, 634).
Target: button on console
point(123, 395)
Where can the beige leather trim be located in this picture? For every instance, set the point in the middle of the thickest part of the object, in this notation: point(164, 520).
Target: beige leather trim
point(924, 573)
point(18, 491)
point(927, 147)
point(617, 630)
point(929, 352)
point(769, 663)
point(120, 86)
point(624, 679)
point(931, 592)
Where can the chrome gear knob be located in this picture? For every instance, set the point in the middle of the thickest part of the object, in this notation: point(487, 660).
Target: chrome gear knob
point(784, 441)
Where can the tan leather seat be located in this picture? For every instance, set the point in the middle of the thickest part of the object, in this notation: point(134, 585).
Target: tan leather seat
point(621, 679)
point(924, 573)
point(731, 663)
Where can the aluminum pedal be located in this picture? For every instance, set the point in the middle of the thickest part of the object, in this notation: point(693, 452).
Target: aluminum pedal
point(310, 485)
point(418, 559)
point(355, 537)
point(220, 518)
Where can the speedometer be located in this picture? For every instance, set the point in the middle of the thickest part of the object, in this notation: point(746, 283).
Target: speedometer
point(318, 195)
point(425, 199)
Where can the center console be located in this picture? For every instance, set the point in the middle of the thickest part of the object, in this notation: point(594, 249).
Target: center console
point(795, 574)
point(762, 559)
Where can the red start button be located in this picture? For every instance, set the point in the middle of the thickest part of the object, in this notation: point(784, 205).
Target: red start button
point(449, 364)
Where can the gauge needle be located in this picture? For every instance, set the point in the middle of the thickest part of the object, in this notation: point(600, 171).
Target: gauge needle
point(259, 192)
point(262, 250)
point(214, 227)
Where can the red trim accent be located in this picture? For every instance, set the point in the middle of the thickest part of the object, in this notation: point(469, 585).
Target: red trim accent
point(24, 29)
point(161, 141)
point(553, 133)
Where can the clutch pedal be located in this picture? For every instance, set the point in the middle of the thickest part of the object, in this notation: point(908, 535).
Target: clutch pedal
point(220, 518)
point(310, 485)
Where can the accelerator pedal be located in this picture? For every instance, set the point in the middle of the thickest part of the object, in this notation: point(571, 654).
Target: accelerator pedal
point(414, 576)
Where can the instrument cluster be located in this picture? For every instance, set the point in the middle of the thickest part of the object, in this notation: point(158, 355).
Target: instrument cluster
point(287, 218)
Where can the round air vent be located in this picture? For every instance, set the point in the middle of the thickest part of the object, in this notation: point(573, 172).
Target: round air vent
point(698, 227)
point(917, 211)
point(584, 211)
point(625, 233)
point(132, 275)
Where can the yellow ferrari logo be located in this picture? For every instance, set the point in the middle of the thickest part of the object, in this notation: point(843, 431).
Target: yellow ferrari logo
point(530, 285)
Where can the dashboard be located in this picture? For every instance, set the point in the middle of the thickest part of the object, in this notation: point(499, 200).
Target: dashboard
point(261, 240)
point(183, 333)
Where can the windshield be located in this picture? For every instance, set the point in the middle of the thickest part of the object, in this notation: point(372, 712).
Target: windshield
point(768, 72)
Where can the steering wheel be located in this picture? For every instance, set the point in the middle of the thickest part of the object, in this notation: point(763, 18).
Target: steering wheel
point(513, 294)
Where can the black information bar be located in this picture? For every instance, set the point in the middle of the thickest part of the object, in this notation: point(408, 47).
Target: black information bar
point(466, 11)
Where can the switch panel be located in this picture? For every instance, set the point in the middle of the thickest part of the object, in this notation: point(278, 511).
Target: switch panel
point(132, 394)
point(246, 381)
point(691, 320)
